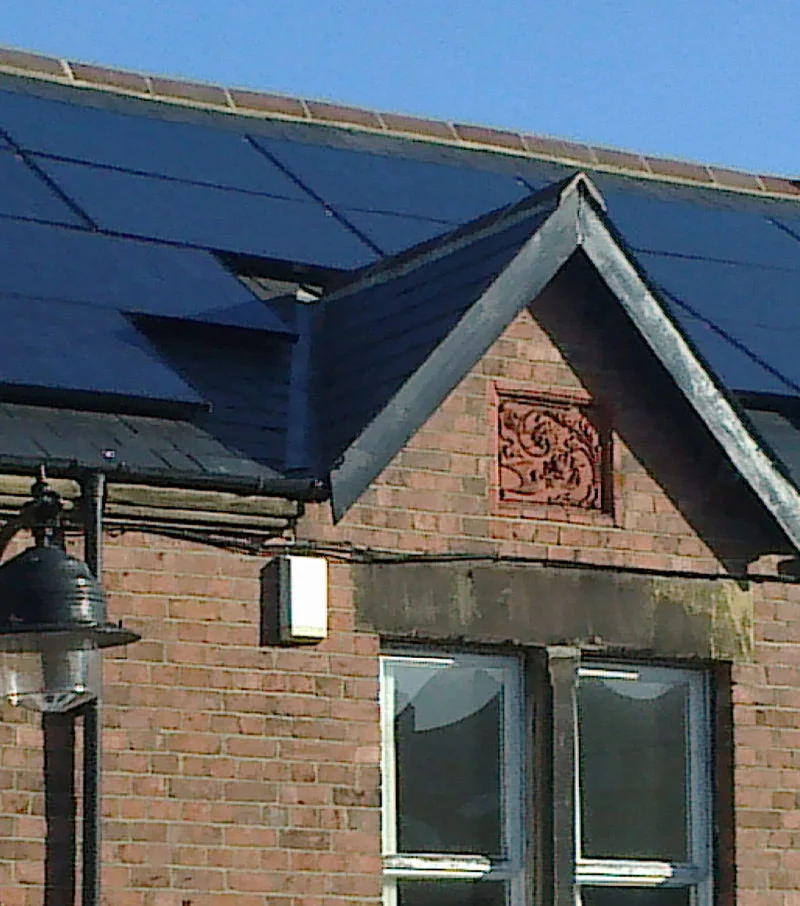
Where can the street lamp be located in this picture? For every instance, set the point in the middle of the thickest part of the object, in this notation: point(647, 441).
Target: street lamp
point(52, 619)
point(53, 628)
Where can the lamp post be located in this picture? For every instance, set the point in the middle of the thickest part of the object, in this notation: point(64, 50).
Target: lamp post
point(53, 628)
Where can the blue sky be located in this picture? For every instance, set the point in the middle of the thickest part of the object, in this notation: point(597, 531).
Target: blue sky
point(710, 80)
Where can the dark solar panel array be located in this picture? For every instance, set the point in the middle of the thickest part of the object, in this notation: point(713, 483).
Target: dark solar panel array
point(23, 193)
point(210, 217)
point(734, 268)
point(41, 261)
point(44, 344)
point(144, 144)
point(735, 364)
point(159, 193)
point(395, 202)
point(653, 224)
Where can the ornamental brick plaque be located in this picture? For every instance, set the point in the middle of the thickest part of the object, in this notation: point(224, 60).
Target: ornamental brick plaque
point(551, 451)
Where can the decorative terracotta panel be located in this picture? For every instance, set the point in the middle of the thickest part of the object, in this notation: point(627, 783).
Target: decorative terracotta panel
point(551, 451)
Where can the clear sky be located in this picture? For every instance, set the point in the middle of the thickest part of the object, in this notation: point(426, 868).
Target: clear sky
point(710, 80)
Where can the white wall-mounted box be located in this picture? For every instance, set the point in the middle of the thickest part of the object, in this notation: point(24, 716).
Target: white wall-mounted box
point(298, 591)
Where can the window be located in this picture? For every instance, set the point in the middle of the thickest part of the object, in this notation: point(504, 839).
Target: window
point(453, 789)
point(642, 791)
point(455, 783)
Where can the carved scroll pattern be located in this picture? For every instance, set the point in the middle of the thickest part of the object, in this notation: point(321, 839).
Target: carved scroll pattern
point(550, 453)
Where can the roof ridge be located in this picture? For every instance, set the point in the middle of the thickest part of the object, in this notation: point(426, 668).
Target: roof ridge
point(268, 105)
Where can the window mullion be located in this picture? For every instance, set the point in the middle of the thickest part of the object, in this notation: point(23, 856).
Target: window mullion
point(562, 663)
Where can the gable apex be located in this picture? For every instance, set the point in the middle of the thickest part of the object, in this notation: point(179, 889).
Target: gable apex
point(576, 221)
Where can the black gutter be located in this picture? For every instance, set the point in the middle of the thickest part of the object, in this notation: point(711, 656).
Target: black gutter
point(305, 490)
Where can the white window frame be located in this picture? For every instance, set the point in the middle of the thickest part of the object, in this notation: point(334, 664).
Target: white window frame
point(432, 866)
point(697, 873)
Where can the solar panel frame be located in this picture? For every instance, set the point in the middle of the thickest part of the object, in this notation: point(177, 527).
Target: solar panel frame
point(358, 180)
point(40, 261)
point(738, 370)
point(394, 233)
point(147, 144)
point(24, 194)
point(300, 232)
point(70, 347)
point(650, 223)
point(750, 295)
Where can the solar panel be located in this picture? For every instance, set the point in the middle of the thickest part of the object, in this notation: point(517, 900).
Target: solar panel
point(49, 262)
point(756, 306)
point(735, 368)
point(393, 233)
point(654, 224)
point(348, 179)
point(223, 219)
point(24, 194)
point(745, 295)
point(133, 142)
point(73, 347)
point(792, 224)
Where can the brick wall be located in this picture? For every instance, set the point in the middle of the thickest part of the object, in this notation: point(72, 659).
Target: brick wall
point(235, 773)
point(436, 496)
point(232, 773)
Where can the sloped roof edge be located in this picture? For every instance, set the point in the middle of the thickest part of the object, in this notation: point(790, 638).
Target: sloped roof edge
point(731, 430)
point(527, 274)
point(576, 223)
point(266, 105)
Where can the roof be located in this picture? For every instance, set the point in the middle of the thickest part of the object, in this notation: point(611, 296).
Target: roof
point(162, 245)
point(262, 104)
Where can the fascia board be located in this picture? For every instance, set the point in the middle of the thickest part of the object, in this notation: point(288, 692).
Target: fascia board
point(780, 497)
point(532, 268)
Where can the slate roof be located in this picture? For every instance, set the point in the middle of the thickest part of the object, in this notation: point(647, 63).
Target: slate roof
point(132, 207)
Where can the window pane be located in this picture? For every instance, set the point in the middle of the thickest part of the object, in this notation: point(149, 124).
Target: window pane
point(633, 767)
point(451, 893)
point(448, 728)
point(635, 896)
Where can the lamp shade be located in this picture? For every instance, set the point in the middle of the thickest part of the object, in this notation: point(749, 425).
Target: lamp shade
point(52, 627)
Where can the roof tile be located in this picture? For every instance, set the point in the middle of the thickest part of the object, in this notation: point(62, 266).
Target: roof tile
point(32, 62)
point(268, 103)
point(397, 122)
point(191, 91)
point(679, 169)
point(554, 147)
point(337, 113)
point(485, 136)
point(112, 78)
point(735, 179)
point(624, 160)
point(783, 186)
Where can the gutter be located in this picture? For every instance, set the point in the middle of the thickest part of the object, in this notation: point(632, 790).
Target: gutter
point(305, 490)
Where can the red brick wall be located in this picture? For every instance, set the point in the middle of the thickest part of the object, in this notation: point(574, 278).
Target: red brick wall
point(248, 775)
point(233, 774)
point(436, 496)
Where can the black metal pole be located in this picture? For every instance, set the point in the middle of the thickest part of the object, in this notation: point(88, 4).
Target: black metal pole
point(94, 502)
point(59, 791)
point(59, 808)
